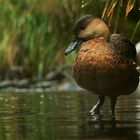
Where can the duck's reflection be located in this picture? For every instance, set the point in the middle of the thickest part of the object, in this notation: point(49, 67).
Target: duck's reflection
point(110, 130)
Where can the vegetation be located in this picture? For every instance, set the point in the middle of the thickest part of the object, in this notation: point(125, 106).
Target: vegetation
point(35, 33)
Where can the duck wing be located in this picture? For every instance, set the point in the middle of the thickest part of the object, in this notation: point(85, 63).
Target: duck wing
point(123, 46)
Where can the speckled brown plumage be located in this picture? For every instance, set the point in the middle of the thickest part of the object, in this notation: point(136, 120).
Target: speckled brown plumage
point(106, 68)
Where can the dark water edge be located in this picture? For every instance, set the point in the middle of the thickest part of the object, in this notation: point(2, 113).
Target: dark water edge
point(65, 116)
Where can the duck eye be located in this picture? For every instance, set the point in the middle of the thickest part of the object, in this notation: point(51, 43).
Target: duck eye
point(83, 27)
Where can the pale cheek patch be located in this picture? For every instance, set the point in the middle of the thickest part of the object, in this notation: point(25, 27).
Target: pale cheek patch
point(94, 29)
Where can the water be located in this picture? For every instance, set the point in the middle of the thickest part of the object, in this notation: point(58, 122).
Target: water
point(65, 116)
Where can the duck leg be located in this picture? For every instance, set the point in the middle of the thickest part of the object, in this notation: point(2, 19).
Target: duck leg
point(113, 100)
point(96, 109)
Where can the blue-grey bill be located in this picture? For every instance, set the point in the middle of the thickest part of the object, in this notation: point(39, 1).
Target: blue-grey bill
point(73, 46)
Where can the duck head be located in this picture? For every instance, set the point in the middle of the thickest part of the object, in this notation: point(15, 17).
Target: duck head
point(86, 28)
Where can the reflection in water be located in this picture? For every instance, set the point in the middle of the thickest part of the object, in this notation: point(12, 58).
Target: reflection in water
point(65, 116)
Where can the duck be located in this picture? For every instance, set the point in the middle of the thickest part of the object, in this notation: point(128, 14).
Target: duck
point(105, 63)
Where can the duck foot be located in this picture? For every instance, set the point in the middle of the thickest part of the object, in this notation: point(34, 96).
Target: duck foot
point(95, 111)
point(96, 117)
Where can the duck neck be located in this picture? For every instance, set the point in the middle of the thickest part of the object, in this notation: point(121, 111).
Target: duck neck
point(106, 35)
point(104, 39)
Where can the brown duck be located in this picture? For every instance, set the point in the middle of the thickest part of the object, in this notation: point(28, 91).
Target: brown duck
point(105, 64)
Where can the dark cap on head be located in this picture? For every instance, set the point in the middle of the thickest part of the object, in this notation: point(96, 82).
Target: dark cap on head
point(83, 21)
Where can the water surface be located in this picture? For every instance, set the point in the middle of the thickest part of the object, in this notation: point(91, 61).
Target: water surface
point(65, 116)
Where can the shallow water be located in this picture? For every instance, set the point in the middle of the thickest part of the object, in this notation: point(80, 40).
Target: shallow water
point(65, 116)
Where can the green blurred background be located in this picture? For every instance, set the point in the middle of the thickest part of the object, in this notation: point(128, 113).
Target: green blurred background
point(35, 33)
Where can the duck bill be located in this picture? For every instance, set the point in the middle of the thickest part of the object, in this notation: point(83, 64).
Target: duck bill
point(75, 43)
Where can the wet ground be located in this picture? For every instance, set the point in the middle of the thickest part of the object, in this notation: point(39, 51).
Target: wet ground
point(65, 116)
